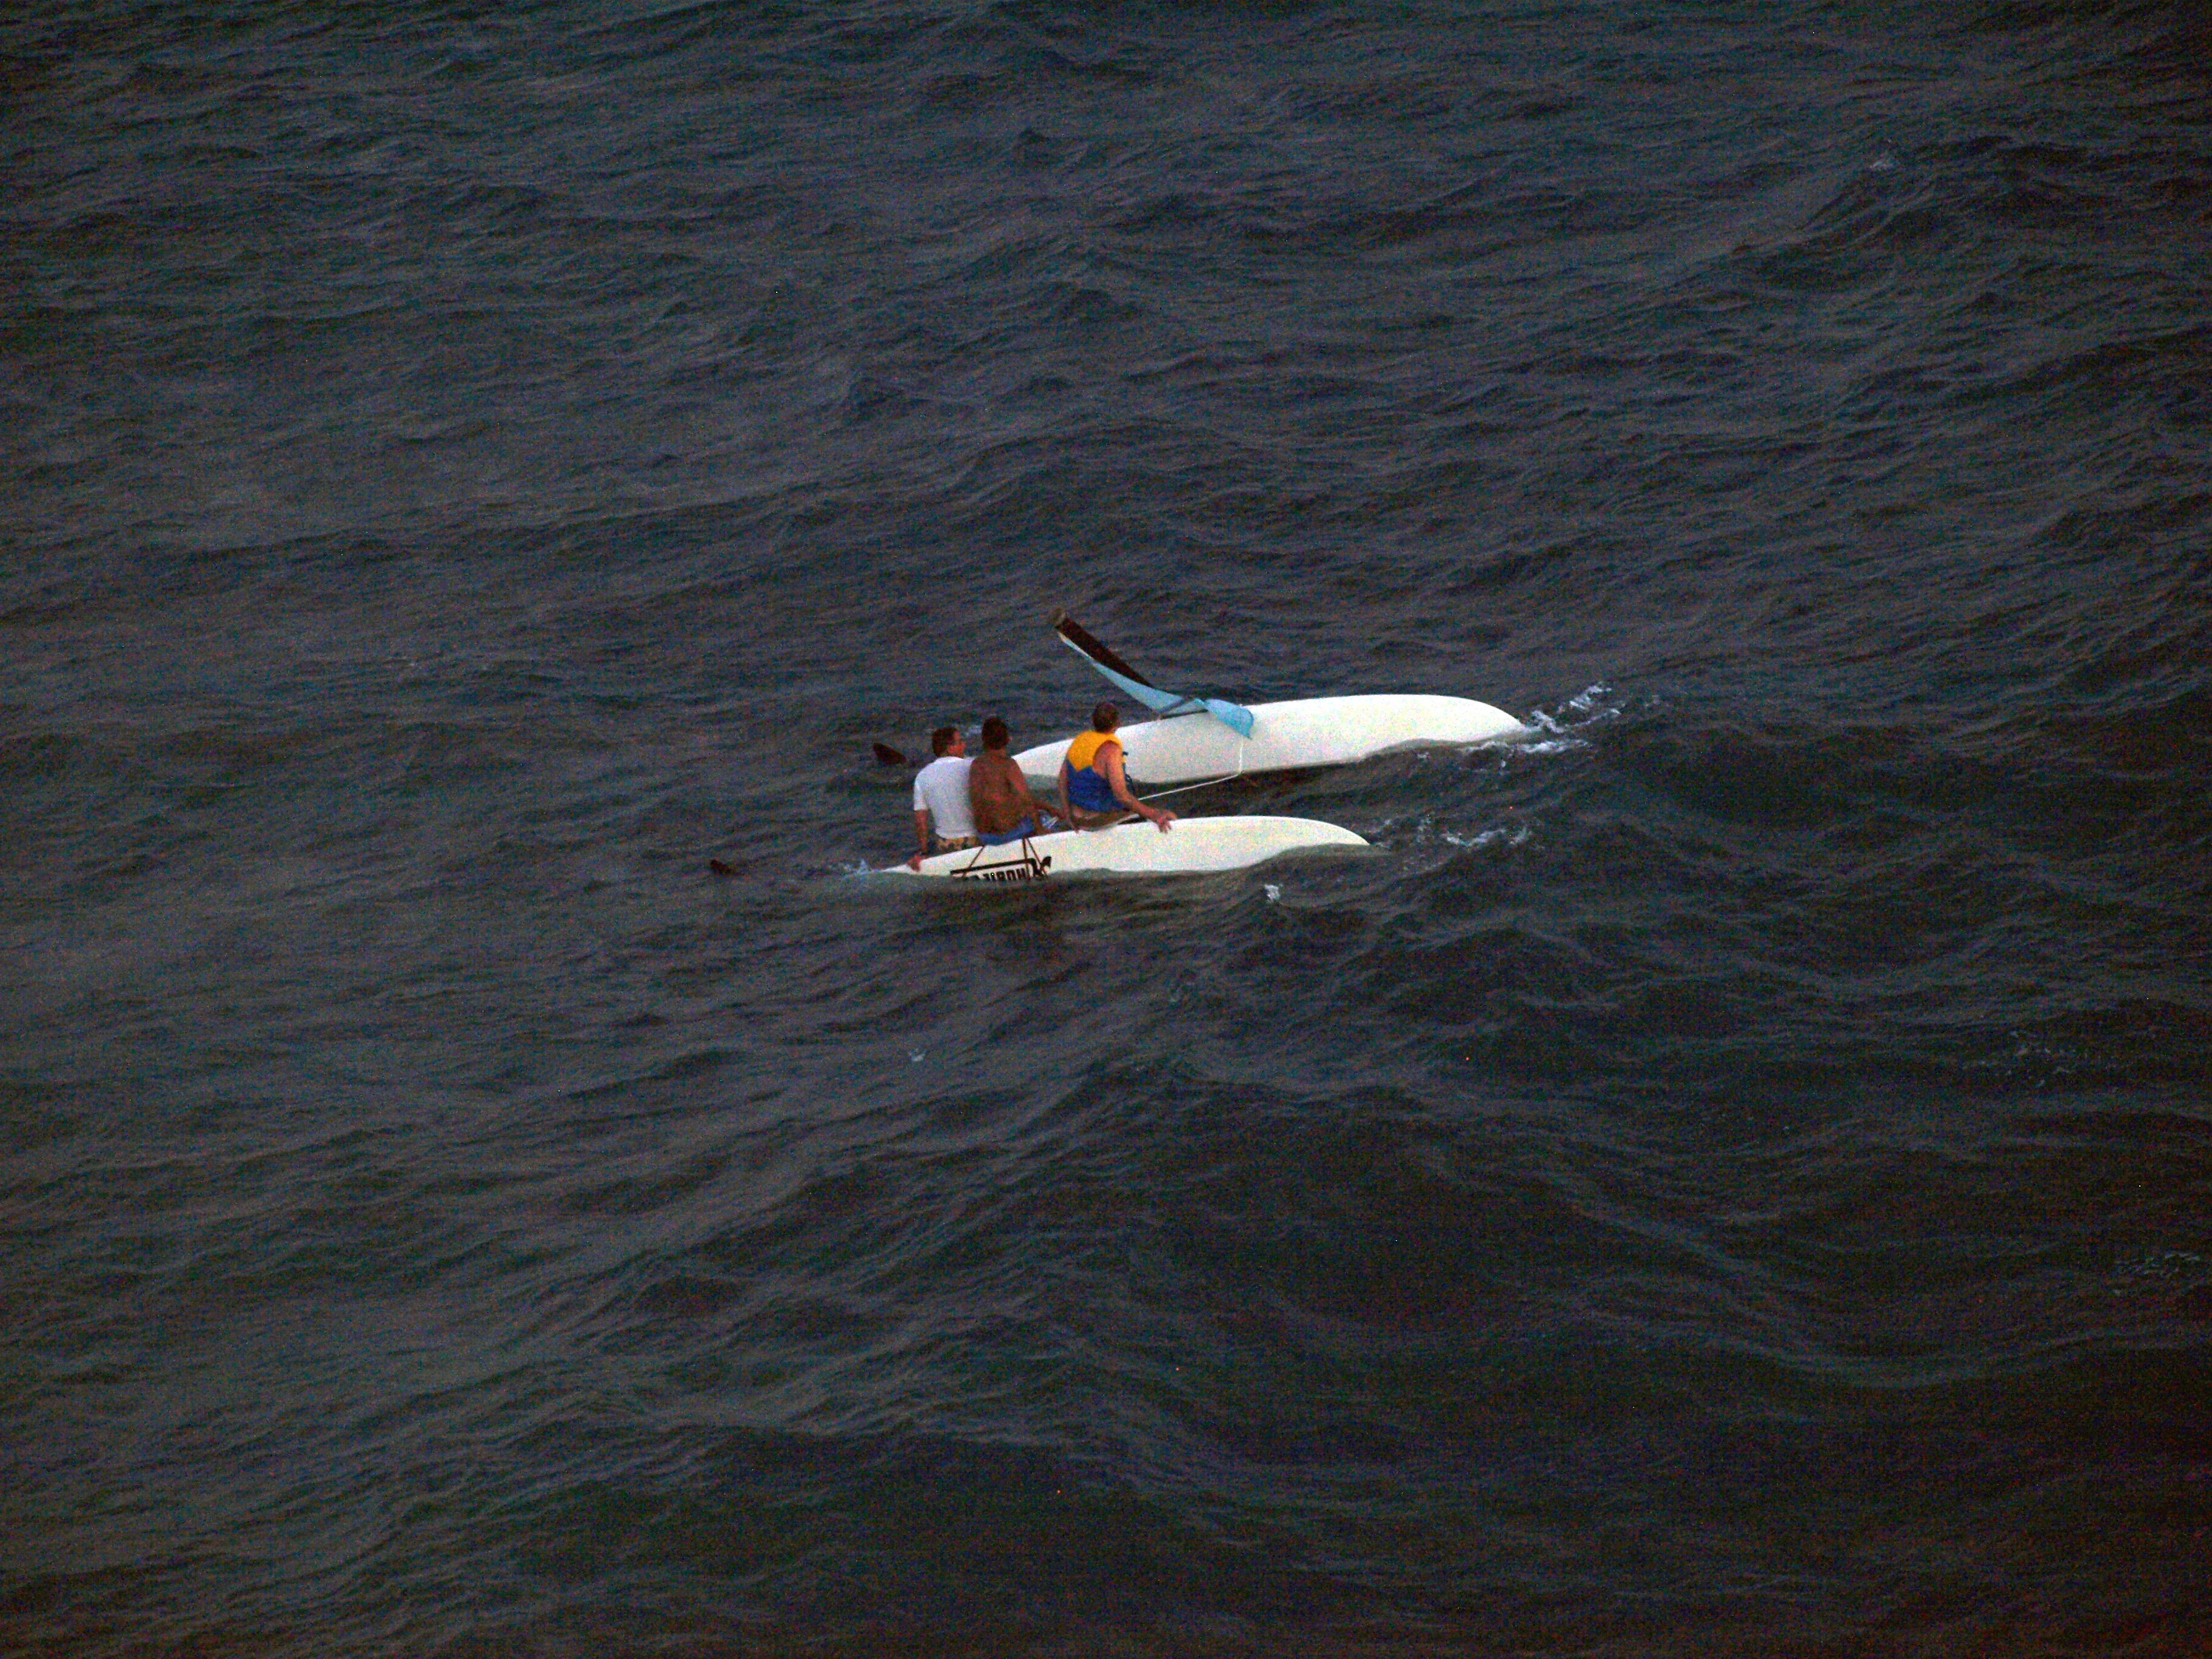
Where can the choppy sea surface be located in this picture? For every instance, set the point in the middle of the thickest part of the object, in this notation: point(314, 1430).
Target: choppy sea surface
point(1730, 1175)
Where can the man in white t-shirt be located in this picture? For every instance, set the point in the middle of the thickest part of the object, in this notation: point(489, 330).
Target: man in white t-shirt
point(940, 797)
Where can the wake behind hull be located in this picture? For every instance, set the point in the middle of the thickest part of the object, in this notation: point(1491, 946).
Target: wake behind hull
point(1309, 731)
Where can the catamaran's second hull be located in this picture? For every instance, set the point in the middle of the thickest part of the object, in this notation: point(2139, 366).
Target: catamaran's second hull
point(1311, 732)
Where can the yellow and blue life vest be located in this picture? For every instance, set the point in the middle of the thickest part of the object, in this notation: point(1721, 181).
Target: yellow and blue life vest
point(1087, 787)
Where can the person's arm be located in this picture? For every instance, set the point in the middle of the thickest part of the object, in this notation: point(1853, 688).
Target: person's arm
point(1120, 780)
point(1031, 804)
point(1026, 800)
point(1065, 816)
point(920, 837)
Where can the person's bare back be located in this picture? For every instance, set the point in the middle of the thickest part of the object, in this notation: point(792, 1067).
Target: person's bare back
point(997, 793)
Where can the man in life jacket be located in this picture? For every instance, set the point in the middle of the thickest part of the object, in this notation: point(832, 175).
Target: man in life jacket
point(940, 797)
point(999, 795)
point(1094, 790)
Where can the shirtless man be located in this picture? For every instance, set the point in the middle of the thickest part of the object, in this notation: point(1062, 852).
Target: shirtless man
point(1094, 789)
point(940, 797)
point(1005, 810)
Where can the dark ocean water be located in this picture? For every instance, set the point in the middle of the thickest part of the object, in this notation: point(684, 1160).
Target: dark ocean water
point(1732, 1176)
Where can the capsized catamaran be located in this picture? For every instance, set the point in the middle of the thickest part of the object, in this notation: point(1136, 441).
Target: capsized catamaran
point(1200, 736)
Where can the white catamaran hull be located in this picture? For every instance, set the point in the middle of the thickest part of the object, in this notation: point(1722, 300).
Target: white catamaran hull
point(1187, 847)
point(1311, 732)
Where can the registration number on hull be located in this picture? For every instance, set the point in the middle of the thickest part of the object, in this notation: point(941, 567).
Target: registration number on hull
point(1028, 867)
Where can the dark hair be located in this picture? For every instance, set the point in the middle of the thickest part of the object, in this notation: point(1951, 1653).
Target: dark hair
point(941, 739)
point(1105, 717)
point(995, 733)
